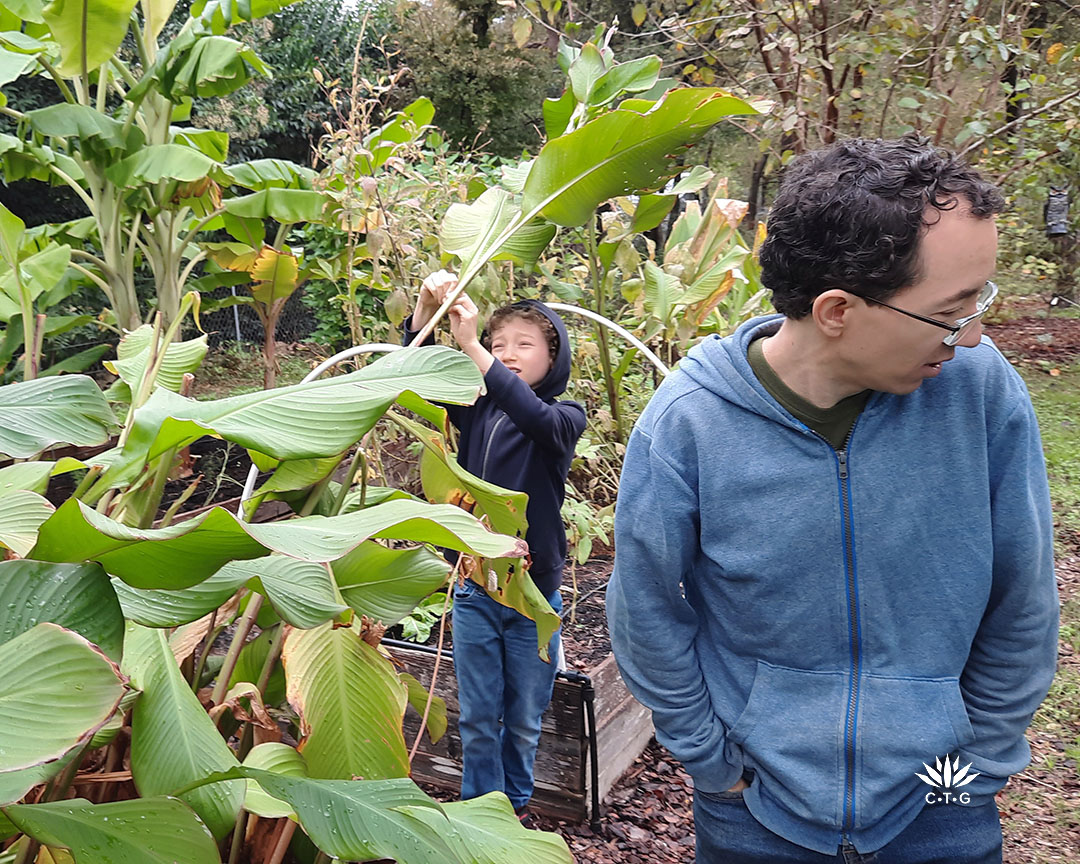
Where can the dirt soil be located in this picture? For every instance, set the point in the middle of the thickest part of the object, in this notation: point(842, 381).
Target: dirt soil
point(648, 815)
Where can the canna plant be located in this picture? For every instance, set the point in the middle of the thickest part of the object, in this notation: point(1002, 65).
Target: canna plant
point(107, 617)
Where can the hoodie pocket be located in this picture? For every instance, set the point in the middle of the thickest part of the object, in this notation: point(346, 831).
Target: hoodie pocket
point(903, 723)
point(791, 734)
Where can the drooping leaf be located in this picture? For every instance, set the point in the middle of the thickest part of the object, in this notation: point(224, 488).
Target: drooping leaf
point(164, 608)
point(219, 15)
point(36, 414)
point(436, 711)
point(80, 121)
point(88, 31)
point(271, 173)
point(209, 142)
point(34, 476)
point(386, 584)
point(282, 205)
point(302, 592)
point(173, 740)
point(188, 552)
point(148, 830)
point(58, 690)
point(77, 597)
point(485, 830)
point(313, 420)
point(159, 162)
point(212, 66)
point(133, 355)
point(351, 704)
point(634, 76)
point(557, 114)
point(276, 274)
point(39, 272)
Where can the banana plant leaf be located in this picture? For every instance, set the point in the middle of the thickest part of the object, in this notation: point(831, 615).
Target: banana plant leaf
point(58, 690)
point(276, 275)
point(313, 420)
point(36, 414)
point(159, 830)
point(173, 740)
point(467, 228)
point(282, 205)
point(133, 355)
point(83, 122)
point(77, 597)
point(160, 162)
point(220, 15)
point(88, 31)
point(185, 554)
point(270, 173)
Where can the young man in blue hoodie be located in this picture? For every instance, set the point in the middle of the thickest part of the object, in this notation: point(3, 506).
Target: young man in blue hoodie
point(520, 437)
point(833, 577)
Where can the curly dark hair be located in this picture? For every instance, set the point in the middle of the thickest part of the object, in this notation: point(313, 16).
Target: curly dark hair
point(524, 311)
point(850, 216)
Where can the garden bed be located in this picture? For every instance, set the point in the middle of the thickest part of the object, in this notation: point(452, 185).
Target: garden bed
point(564, 764)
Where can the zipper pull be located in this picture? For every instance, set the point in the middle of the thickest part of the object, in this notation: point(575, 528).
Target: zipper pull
point(842, 456)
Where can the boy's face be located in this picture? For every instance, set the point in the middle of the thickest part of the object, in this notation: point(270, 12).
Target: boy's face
point(521, 347)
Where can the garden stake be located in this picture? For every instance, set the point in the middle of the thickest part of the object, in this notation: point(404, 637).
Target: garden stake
point(438, 657)
point(285, 834)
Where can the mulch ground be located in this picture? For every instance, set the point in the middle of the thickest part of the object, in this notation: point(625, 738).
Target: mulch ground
point(648, 814)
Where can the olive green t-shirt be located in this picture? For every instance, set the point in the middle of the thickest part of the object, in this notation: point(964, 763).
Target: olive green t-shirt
point(832, 424)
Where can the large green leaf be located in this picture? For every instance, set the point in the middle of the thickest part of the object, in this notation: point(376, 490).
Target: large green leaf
point(21, 515)
point(14, 65)
point(467, 228)
point(34, 476)
point(163, 608)
point(160, 162)
point(485, 830)
point(622, 152)
point(282, 205)
point(213, 66)
point(157, 13)
point(75, 596)
point(351, 704)
point(173, 740)
point(303, 593)
point(634, 76)
point(386, 584)
point(144, 830)
point(219, 15)
point(279, 759)
point(304, 421)
point(405, 126)
point(80, 121)
point(39, 272)
point(89, 31)
point(186, 553)
point(360, 820)
point(58, 690)
point(35, 415)
point(271, 173)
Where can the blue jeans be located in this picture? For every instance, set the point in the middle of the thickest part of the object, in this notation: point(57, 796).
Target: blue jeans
point(941, 834)
point(503, 690)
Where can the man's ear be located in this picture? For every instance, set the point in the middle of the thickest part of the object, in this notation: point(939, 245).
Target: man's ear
point(832, 310)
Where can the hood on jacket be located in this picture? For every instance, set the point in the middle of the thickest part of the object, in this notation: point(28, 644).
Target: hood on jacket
point(558, 376)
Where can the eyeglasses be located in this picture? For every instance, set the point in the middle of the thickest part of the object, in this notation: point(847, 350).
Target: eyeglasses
point(961, 325)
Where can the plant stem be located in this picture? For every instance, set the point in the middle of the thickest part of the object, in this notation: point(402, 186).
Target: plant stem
point(438, 658)
point(238, 641)
point(605, 358)
point(358, 459)
point(200, 664)
point(238, 837)
point(87, 481)
point(314, 496)
point(271, 659)
point(285, 835)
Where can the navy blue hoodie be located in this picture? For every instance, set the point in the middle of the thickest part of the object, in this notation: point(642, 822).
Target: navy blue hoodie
point(522, 438)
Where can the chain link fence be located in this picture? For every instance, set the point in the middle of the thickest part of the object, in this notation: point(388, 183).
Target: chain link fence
point(240, 324)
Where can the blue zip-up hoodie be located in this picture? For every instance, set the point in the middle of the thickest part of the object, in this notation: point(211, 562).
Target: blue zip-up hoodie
point(831, 620)
point(522, 438)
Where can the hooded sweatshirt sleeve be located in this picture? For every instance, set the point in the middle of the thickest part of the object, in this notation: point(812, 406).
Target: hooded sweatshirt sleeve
point(653, 627)
point(555, 426)
point(1014, 653)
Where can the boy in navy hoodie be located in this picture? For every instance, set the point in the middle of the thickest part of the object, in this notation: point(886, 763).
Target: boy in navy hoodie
point(519, 437)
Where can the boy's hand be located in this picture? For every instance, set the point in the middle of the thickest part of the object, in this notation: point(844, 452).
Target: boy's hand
point(464, 317)
point(433, 292)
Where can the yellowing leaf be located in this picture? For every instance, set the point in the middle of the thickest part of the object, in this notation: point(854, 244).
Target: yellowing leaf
point(1054, 52)
point(276, 273)
point(522, 30)
point(638, 13)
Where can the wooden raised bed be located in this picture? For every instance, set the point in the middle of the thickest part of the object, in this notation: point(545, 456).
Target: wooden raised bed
point(563, 763)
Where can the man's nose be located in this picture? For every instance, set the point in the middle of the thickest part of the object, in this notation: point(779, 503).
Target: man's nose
point(971, 336)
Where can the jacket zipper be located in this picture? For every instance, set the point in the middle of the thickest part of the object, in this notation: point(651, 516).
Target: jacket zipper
point(855, 641)
point(487, 447)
